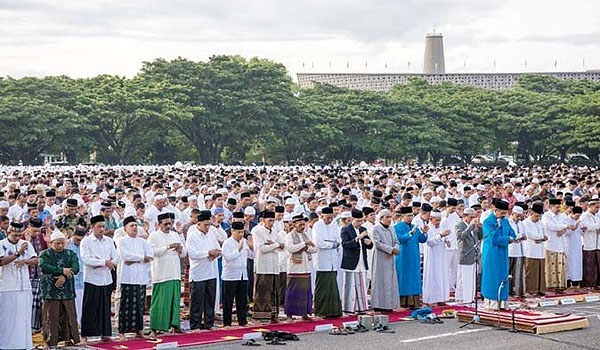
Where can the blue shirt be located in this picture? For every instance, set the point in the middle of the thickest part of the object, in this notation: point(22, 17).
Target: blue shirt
point(78, 277)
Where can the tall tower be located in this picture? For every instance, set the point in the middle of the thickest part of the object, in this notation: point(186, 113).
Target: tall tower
point(434, 54)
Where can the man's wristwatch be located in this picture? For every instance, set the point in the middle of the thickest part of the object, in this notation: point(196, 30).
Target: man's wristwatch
point(17, 254)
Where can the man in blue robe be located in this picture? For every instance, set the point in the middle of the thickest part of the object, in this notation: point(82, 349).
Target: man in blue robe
point(408, 260)
point(497, 235)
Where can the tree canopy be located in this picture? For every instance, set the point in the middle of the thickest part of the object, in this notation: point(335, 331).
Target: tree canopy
point(236, 110)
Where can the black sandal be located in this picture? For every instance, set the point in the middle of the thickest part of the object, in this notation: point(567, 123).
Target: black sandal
point(250, 342)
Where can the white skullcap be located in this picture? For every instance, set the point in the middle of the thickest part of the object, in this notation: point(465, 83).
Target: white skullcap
point(56, 234)
point(287, 217)
point(436, 214)
point(435, 199)
point(480, 187)
point(517, 209)
point(384, 212)
point(346, 215)
point(249, 211)
point(290, 201)
point(427, 190)
point(440, 188)
point(4, 205)
point(159, 197)
point(469, 211)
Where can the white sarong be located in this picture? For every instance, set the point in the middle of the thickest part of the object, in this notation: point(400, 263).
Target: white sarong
point(15, 328)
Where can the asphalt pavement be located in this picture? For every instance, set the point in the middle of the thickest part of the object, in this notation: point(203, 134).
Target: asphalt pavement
point(416, 335)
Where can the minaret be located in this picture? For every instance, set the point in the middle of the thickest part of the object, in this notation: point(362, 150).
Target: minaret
point(434, 54)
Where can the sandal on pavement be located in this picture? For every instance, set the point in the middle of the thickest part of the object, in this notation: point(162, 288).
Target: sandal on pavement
point(250, 342)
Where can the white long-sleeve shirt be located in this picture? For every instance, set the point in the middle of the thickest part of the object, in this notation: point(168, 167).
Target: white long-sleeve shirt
point(266, 259)
point(290, 247)
point(283, 253)
point(94, 253)
point(533, 231)
point(234, 260)
point(591, 223)
point(328, 241)
point(198, 245)
point(552, 224)
point(449, 223)
point(517, 249)
point(134, 249)
point(166, 265)
point(11, 278)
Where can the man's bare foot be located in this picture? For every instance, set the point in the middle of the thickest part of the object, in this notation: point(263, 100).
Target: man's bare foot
point(83, 341)
point(140, 335)
point(306, 318)
point(152, 335)
point(105, 339)
point(177, 330)
point(122, 337)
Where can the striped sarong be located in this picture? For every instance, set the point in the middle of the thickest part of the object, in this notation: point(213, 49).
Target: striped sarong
point(355, 292)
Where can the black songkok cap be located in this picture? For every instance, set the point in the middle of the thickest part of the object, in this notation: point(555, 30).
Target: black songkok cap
point(128, 220)
point(538, 208)
point(406, 210)
point(96, 219)
point(268, 215)
point(501, 204)
point(357, 214)
point(162, 217)
point(238, 226)
point(327, 210)
point(426, 207)
point(35, 222)
point(204, 215)
point(367, 210)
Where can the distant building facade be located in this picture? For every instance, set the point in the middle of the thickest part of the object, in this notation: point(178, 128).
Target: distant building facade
point(434, 72)
point(384, 81)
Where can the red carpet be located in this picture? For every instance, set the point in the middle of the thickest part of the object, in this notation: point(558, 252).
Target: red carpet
point(222, 335)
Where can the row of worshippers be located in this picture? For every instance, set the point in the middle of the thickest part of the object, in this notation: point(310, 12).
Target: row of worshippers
point(354, 243)
point(451, 213)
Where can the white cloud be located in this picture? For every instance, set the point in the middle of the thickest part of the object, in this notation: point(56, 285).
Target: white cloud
point(85, 38)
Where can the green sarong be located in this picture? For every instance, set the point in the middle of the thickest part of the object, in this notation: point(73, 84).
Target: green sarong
point(327, 296)
point(164, 309)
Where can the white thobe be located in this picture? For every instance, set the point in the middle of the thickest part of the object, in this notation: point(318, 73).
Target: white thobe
point(436, 287)
point(370, 252)
point(15, 299)
point(574, 252)
point(449, 223)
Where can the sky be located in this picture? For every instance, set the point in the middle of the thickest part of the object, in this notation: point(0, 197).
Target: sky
point(82, 38)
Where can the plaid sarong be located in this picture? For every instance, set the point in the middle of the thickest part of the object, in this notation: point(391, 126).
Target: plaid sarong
point(36, 310)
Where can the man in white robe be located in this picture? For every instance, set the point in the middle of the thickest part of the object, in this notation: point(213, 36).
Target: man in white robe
point(436, 287)
point(574, 249)
point(15, 290)
point(449, 223)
